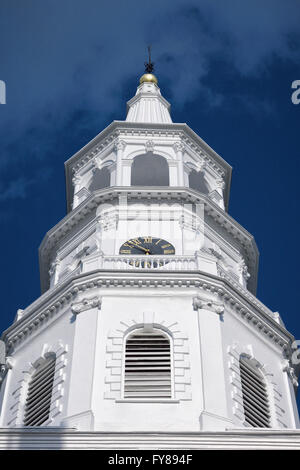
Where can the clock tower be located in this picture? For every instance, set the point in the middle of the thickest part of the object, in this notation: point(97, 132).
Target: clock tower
point(148, 332)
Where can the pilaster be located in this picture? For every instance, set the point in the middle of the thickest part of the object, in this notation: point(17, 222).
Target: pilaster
point(85, 316)
point(214, 415)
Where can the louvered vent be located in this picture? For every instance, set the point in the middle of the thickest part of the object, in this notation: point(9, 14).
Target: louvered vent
point(38, 400)
point(147, 366)
point(255, 396)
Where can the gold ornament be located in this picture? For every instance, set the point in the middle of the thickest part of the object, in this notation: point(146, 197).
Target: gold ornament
point(148, 77)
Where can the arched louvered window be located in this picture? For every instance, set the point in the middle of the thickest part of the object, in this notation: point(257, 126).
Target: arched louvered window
point(147, 365)
point(38, 401)
point(255, 395)
point(150, 170)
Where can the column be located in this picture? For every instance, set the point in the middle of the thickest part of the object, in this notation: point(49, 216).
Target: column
point(76, 180)
point(179, 148)
point(119, 149)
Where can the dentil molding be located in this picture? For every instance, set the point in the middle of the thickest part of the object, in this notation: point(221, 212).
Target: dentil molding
point(114, 137)
point(57, 300)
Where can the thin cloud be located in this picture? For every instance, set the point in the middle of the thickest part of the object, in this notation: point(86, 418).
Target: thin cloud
point(54, 69)
point(18, 188)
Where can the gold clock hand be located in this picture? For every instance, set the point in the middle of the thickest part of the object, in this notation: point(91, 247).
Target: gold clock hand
point(141, 248)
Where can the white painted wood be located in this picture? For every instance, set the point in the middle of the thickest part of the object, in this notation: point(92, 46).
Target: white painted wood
point(202, 299)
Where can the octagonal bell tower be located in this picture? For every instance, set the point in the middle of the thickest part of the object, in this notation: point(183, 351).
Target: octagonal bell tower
point(148, 332)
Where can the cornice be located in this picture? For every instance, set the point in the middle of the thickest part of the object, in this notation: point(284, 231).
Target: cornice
point(157, 130)
point(55, 301)
point(186, 195)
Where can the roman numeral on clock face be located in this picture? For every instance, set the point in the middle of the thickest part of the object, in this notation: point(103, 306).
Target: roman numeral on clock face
point(147, 245)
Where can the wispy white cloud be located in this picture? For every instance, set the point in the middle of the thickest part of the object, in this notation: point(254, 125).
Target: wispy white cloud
point(17, 188)
point(53, 68)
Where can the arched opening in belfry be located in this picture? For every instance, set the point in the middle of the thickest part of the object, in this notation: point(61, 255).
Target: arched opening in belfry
point(149, 170)
point(100, 180)
point(198, 182)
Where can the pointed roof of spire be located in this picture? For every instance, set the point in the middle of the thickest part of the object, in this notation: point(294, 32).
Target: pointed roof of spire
point(148, 105)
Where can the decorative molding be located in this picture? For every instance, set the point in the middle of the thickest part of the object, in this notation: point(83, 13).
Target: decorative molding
point(95, 167)
point(86, 304)
point(179, 146)
point(109, 220)
point(291, 373)
point(53, 268)
point(19, 393)
point(243, 271)
point(58, 438)
point(149, 146)
point(81, 195)
point(5, 364)
point(216, 197)
point(220, 183)
point(81, 237)
point(115, 353)
point(76, 179)
point(200, 303)
point(187, 196)
point(119, 145)
point(240, 301)
point(199, 166)
point(98, 164)
point(190, 222)
point(129, 129)
point(213, 250)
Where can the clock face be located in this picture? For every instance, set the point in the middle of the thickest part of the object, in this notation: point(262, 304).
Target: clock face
point(147, 246)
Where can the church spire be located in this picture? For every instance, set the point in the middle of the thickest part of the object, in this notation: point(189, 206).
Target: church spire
point(148, 105)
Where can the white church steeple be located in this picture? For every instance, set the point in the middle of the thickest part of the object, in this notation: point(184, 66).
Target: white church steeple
point(148, 331)
point(148, 105)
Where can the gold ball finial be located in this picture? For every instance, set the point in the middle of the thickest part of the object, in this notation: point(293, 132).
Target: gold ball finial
point(148, 77)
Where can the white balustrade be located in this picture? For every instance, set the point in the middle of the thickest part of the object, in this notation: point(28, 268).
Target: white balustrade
point(150, 262)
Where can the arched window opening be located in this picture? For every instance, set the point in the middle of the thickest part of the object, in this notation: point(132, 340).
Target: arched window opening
point(38, 401)
point(147, 365)
point(101, 179)
point(149, 170)
point(255, 395)
point(198, 182)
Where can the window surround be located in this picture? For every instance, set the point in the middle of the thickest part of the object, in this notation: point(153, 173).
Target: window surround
point(277, 411)
point(148, 328)
point(19, 393)
point(115, 352)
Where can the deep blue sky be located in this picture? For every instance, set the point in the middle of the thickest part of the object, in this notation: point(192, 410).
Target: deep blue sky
point(227, 69)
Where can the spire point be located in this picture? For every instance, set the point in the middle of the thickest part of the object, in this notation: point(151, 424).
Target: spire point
point(149, 67)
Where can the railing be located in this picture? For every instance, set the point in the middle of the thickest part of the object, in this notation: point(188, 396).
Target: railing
point(150, 262)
